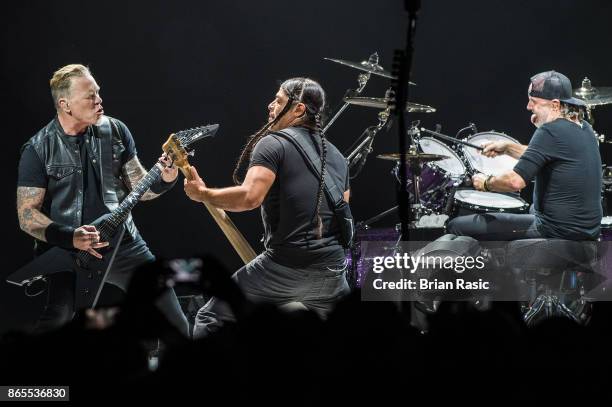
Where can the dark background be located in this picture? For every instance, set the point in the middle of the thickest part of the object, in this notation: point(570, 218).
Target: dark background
point(165, 66)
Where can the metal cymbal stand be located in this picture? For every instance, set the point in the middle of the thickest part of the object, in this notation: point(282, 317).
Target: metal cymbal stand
point(357, 158)
point(362, 80)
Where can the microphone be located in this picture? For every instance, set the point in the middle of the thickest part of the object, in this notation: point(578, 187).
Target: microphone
point(473, 127)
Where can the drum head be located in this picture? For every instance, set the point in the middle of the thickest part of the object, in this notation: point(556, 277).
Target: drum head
point(489, 166)
point(490, 200)
point(452, 165)
point(606, 222)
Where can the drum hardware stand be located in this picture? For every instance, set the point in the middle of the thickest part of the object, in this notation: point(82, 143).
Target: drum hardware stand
point(366, 223)
point(362, 80)
point(416, 166)
point(416, 209)
point(414, 134)
point(470, 126)
point(357, 158)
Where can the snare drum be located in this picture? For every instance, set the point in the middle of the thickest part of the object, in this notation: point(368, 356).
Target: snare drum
point(487, 165)
point(469, 202)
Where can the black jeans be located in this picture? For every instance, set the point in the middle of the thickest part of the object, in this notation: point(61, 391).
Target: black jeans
point(263, 280)
point(495, 226)
point(59, 308)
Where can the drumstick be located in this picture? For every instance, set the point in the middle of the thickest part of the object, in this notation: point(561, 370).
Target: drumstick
point(452, 139)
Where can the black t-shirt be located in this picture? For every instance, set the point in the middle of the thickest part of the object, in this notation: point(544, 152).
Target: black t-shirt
point(565, 161)
point(288, 211)
point(32, 172)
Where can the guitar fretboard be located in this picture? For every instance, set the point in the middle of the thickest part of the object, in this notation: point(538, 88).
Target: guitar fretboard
point(120, 214)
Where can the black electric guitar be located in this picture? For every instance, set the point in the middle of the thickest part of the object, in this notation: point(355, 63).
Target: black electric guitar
point(90, 271)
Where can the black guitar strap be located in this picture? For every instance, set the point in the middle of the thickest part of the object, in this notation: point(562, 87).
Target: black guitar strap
point(313, 160)
point(106, 133)
point(333, 192)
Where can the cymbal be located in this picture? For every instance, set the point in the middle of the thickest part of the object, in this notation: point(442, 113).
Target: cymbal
point(367, 67)
point(382, 103)
point(593, 96)
point(423, 157)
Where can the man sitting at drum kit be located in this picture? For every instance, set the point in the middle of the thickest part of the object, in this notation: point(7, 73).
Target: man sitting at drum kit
point(562, 156)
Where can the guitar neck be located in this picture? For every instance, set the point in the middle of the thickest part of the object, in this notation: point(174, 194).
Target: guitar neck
point(110, 224)
point(231, 232)
point(236, 239)
point(120, 214)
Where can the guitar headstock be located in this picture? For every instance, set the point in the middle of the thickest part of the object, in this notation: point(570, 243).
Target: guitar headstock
point(177, 145)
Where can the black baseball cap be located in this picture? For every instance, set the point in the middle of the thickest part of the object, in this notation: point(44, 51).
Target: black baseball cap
point(553, 85)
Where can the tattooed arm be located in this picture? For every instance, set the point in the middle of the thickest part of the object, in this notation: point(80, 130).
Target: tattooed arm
point(31, 219)
point(133, 172)
point(35, 223)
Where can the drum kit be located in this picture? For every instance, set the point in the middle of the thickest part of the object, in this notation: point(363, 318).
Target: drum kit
point(440, 167)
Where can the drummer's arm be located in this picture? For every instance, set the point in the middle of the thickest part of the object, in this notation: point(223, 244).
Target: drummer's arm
point(495, 148)
point(515, 150)
point(507, 182)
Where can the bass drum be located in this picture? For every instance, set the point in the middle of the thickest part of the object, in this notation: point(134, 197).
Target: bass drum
point(360, 261)
point(606, 229)
point(605, 247)
point(487, 165)
point(470, 201)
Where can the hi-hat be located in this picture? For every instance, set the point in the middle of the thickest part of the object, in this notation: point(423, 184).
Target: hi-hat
point(411, 156)
point(593, 96)
point(382, 103)
point(367, 67)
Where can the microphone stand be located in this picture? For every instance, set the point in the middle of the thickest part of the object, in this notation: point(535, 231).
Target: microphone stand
point(404, 60)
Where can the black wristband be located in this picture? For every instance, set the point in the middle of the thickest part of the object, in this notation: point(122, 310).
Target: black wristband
point(162, 186)
point(60, 235)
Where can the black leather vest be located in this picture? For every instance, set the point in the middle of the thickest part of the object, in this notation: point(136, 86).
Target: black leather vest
point(64, 196)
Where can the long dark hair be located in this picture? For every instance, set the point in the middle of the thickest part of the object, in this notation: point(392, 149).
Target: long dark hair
point(312, 95)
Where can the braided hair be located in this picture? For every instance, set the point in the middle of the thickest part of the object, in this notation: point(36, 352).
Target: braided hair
point(319, 131)
point(312, 95)
point(246, 152)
